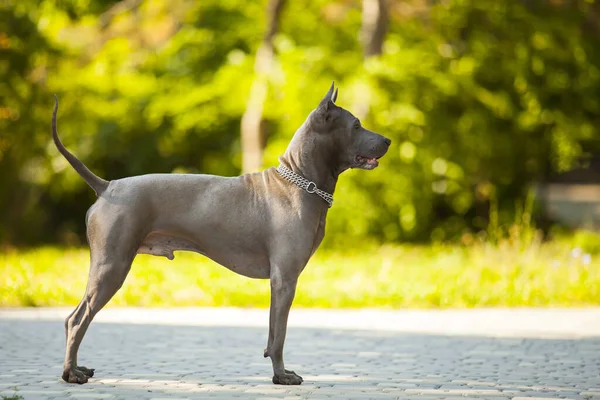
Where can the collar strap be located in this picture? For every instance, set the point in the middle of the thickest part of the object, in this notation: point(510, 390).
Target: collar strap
point(305, 184)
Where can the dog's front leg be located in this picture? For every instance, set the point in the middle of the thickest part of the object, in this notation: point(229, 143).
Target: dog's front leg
point(283, 289)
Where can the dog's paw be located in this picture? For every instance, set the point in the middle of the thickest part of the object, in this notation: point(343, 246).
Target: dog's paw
point(74, 376)
point(89, 372)
point(288, 378)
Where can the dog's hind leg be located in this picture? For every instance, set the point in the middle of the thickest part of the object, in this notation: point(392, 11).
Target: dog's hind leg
point(111, 259)
point(86, 371)
point(105, 280)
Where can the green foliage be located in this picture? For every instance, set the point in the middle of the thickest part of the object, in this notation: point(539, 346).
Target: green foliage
point(588, 242)
point(480, 98)
point(510, 274)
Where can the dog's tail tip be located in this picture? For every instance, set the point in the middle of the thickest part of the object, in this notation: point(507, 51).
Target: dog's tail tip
point(95, 182)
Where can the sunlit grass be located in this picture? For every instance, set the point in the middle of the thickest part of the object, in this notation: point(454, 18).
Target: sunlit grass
point(549, 274)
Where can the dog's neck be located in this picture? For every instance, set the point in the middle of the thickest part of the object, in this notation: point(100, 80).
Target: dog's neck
point(311, 161)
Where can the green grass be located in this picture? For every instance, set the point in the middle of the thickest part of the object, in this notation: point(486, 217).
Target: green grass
point(479, 275)
point(13, 397)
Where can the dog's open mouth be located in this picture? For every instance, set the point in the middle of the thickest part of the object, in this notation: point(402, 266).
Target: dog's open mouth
point(367, 162)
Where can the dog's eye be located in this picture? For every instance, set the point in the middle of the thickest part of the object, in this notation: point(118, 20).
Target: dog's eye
point(357, 124)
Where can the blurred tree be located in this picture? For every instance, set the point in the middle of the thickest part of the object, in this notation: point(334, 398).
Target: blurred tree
point(480, 98)
point(481, 95)
point(373, 29)
point(25, 58)
point(253, 128)
point(374, 26)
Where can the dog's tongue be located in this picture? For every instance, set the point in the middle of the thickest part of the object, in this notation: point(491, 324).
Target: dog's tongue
point(368, 160)
point(373, 162)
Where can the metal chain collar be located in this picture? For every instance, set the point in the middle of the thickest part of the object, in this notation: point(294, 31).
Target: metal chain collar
point(305, 184)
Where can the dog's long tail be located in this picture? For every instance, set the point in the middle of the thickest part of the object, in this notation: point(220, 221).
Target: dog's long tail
point(98, 184)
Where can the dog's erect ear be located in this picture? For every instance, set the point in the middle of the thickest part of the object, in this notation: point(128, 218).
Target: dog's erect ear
point(328, 101)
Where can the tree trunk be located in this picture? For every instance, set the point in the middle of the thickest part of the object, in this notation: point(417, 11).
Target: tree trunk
point(374, 26)
point(252, 127)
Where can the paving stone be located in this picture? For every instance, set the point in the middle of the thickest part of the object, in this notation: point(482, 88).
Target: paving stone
point(533, 398)
point(160, 360)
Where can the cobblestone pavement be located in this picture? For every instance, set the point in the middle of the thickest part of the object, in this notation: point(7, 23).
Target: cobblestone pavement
point(217, 353)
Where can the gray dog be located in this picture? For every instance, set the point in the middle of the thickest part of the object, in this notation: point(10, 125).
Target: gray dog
point(264, 225)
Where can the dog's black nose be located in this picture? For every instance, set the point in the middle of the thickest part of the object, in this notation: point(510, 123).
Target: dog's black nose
point(387, 141)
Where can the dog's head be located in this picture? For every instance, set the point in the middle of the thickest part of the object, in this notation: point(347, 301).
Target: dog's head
point(342, 136)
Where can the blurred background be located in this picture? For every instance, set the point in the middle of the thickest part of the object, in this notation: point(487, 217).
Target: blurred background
point(489, 195)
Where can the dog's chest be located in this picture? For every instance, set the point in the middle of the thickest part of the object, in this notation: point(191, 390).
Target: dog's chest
point(320, 233)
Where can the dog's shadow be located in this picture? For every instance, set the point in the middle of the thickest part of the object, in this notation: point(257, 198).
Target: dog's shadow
point(216, 361)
